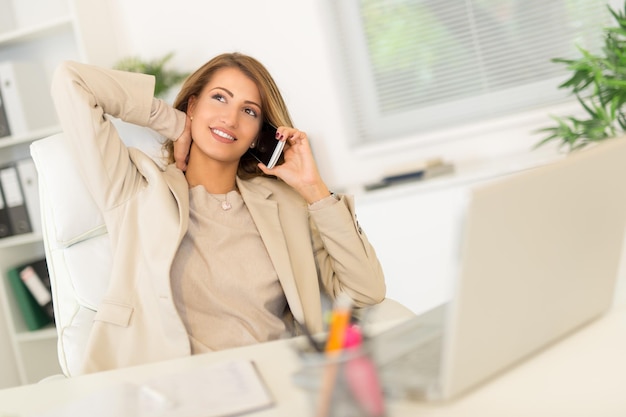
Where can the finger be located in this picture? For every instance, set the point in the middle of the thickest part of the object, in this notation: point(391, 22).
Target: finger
point(181, 163)
point(181, 160)
point(297, 137)
point(265, 169)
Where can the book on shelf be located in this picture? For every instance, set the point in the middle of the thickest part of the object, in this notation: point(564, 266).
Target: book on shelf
point(31, 288)
point(14, 200)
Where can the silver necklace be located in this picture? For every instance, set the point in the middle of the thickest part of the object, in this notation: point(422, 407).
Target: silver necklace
point(225, 204)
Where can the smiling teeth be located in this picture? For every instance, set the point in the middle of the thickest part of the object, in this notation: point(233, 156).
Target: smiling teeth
point(223, 135)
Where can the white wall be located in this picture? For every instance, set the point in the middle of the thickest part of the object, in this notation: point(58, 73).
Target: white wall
point(293, 39)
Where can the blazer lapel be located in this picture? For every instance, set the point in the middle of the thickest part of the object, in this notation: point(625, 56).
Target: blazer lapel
point(264, 212)
point(180, 190)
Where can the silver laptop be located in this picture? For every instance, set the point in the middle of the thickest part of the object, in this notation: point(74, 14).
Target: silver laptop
point(539, 258)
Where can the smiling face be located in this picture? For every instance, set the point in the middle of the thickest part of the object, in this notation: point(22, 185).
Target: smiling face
point(226, 116)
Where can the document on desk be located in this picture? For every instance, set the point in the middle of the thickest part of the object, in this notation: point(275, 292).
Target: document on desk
point(217, 390)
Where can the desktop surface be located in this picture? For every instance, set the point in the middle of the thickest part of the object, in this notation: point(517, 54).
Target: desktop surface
point(582, 375)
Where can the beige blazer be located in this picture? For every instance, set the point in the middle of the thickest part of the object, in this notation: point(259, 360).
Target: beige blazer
point(146, 212)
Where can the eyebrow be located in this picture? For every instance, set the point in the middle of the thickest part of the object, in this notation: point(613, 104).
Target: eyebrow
point(227, 91)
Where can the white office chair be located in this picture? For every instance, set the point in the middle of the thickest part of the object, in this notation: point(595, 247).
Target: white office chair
point(76, 243)
point(75, 239)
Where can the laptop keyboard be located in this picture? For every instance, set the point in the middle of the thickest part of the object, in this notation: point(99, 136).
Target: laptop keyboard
point(425, 359)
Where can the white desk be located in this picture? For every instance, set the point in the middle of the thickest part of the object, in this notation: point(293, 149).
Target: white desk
point(584, 375)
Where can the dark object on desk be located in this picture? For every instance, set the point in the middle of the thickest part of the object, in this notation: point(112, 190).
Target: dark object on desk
point(430, 171)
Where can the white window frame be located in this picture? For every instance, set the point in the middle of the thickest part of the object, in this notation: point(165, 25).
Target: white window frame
point(374, 130)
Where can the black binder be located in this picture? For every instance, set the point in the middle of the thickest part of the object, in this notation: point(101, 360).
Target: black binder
point(14, 200)
point(5, 223)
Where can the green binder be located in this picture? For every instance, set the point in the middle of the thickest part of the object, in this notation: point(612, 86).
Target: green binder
point(34, 315)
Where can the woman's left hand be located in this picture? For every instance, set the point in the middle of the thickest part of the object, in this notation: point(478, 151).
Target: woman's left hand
point(299, 169)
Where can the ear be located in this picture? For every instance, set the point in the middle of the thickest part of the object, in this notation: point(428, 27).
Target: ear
point(191, 105)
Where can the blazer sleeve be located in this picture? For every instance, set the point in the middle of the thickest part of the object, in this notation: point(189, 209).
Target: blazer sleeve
point(345, 257)
point(83, 96)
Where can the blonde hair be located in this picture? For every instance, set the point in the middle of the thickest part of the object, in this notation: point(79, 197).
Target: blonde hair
point(273, 106)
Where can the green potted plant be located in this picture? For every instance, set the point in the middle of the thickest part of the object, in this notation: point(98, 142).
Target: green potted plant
point(599, 83)
point(164, 78)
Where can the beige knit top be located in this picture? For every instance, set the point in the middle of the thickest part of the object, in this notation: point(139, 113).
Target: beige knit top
point(224, 285)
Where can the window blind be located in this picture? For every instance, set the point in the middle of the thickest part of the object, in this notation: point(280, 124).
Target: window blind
point(416, 65)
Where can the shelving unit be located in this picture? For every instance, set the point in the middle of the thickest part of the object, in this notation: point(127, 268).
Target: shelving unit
point(35, 354)
point(42, 32)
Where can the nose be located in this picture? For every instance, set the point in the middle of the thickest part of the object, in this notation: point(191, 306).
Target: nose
point(230, 117)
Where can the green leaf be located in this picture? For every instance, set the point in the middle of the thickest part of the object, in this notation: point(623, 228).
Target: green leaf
point(599, 83)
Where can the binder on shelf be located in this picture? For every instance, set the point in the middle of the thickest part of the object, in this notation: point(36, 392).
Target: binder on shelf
point(5, 129)
point(5, 223)
point(26, 99)
point(35, 315)
point(29, 181)
point(35, 277)
point(14, 200)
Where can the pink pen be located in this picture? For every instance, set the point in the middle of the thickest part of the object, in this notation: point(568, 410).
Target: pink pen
point(362, 376)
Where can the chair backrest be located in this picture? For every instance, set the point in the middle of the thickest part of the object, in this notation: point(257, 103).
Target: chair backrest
point(75, 238)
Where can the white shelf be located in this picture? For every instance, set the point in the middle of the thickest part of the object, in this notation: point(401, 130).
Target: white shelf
point(20, 240)
point(36, 32)
point(8, 141)
point(42, 334)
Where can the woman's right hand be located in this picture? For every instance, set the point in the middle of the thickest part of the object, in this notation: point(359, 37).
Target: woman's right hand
point(182, 145)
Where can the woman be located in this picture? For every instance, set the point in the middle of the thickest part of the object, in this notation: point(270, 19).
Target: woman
point(216, 250)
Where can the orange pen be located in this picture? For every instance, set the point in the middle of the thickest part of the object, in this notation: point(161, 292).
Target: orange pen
point(339, 322)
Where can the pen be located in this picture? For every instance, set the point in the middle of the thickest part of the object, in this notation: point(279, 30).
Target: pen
point(340, 319)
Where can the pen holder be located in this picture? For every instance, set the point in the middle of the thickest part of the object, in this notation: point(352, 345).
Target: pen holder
point(341, 385)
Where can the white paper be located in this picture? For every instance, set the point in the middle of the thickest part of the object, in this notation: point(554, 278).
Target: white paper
point(217, 390)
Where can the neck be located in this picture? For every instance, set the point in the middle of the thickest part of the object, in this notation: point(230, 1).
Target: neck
point(215, 176)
